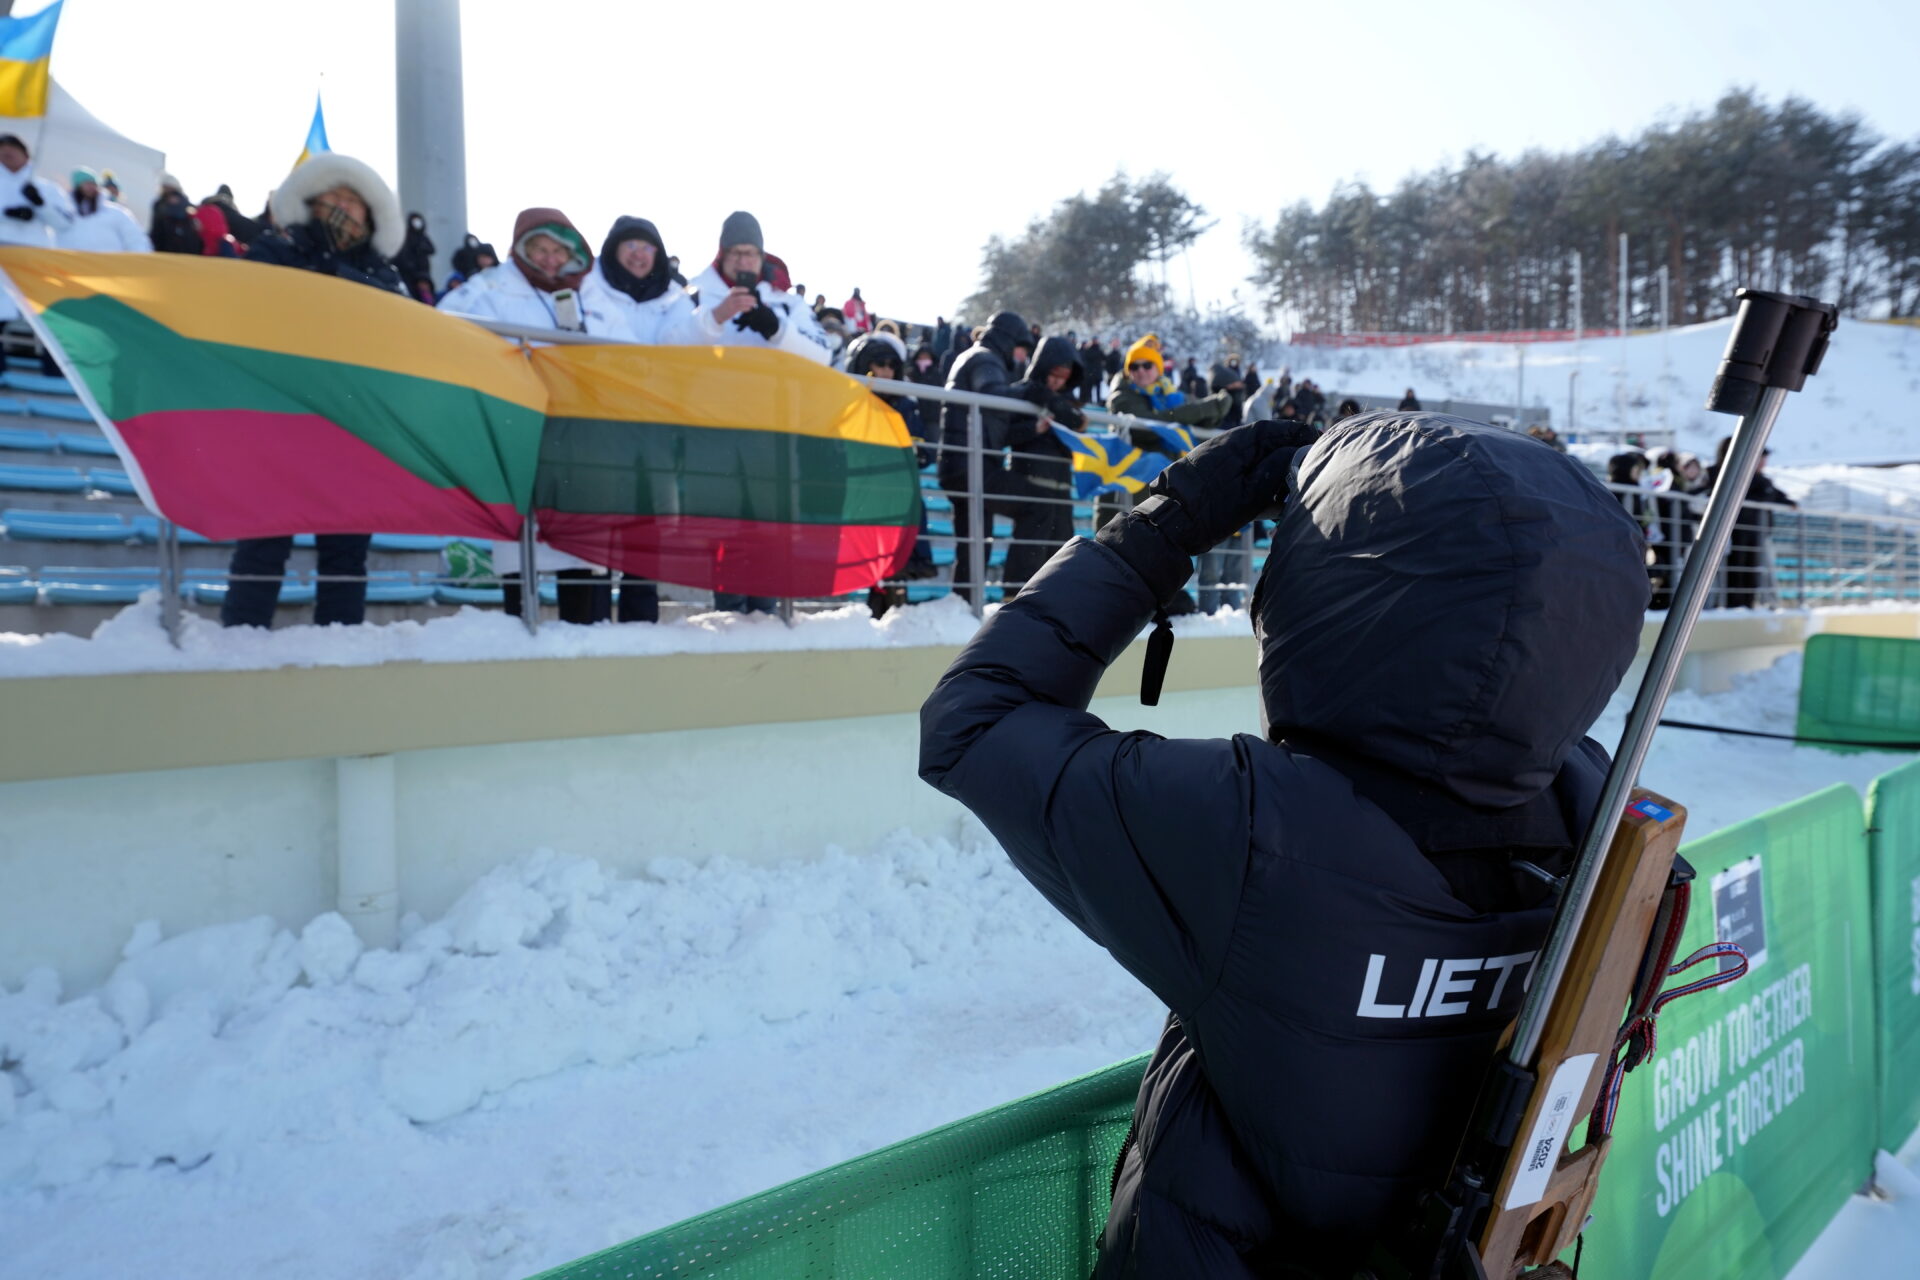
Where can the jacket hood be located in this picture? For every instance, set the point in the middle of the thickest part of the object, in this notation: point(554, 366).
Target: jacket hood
point(327, 170)
point(1055, 353)
point(640, 288)
point(529, 220)
point(1450, 599)
point(1005, 331)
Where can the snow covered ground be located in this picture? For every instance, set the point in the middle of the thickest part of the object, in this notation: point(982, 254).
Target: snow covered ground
point(133, 639)
point(1860, 407)
point(568, 1058)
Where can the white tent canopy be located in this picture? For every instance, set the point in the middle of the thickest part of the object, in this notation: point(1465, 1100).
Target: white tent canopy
point(71, 136)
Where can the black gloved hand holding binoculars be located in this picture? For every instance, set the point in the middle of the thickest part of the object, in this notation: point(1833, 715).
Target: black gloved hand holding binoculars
point(1227, 483)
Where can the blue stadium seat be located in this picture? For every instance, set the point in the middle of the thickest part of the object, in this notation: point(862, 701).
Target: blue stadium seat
point(447, 593)
point(937, 502)
point(17, 586)
point(79, 442)
point(940, 528)
point(65, 410)
point(409, 542)
point(66, 584)
point(921, 592)
point(26, 439)
point(947, 555)
point(42, 479)
point(13, 405)
point(21, 380)
point(292, 592)
point(396, 587)
point(110, 480)
point(69, 526)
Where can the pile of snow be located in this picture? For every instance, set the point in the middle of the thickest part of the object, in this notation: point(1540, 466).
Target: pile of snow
point(1862, 407)
point(134, 640)
point(568, 1057)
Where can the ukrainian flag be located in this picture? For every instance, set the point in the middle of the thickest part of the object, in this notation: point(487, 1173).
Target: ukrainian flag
point(1108, 463)
point(316, 135)
point(26, 47)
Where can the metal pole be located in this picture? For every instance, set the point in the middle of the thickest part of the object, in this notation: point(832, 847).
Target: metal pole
point(1665, 364)
point(1520, 388)
point(170, 583)
point(1623, 290)
point(976, 510)
point(430, 121)
point(1743, 460)
point(1577, 301)
point(1573, 420)
point(529, 578)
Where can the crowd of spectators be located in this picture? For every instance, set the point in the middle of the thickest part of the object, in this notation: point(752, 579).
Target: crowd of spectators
point(336, 216)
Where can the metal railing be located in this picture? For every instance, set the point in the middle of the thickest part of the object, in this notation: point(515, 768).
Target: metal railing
point(1782, 556)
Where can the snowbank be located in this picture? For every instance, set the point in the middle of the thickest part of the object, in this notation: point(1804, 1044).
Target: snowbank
point(1860, 408)
point(568, 1057)
point(133, 640)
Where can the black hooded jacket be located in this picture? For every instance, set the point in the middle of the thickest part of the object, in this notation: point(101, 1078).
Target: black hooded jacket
point(640, 288)
point(985, 368)
point(1329, 911)
point(307, 246)
point(1024, 435)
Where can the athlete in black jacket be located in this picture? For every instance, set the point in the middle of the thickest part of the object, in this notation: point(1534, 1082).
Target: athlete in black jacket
point(1331, 910)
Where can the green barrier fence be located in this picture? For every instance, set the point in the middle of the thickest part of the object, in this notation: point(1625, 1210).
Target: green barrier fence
point(1734, 1146)
point(1021, 1190)
point(1860, 689)
point(1740, 1140)
point(1893, 826)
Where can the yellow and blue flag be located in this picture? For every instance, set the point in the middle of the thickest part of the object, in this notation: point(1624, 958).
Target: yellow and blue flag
point(1104, 462)
point(316, 135)
point(26, 48)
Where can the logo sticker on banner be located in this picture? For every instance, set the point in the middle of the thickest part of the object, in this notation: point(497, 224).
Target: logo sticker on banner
point(1738, 911)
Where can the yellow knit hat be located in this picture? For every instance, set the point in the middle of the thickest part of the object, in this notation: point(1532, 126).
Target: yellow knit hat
point(1141, 351)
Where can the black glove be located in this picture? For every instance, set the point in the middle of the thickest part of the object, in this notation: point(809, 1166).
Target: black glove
point(761, 320)
point(1147, 440)
point(1233, 479)
point(19, 212)
point(32, 195)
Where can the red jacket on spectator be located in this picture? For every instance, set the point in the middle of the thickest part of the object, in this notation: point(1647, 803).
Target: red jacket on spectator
point(855, 311)
point(215, 241)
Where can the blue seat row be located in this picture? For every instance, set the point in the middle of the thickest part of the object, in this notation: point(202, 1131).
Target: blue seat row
point(38, 440)
point(23, 380)
point(56, 479)
point(64, 410)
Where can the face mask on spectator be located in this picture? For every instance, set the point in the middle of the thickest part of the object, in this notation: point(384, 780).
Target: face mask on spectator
point(344, 215)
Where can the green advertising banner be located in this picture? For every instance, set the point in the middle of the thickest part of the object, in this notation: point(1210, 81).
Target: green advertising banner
point(1893, 834)
point(1860, 689)
point(1755, 1121)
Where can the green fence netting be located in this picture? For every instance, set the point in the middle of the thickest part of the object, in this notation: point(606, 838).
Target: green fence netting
point(1860, 689)
point(1740, 1140)
point(1018, 1191)
point(1893, 834)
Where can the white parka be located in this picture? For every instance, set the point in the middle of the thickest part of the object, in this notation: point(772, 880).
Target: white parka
point(110, 228)
point(799, 332)
point(52, 214)
point(503, 293)
point(665, 321)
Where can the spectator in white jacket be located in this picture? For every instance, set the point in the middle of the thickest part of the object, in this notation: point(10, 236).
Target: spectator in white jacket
point(540, 285)
point(633, 280)
point(33, 210)
point(100, 224)
point(738, 305)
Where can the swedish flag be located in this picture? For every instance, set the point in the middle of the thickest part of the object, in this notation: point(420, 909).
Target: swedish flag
point(26, 48)
point(1104, 462)
point(316, 135)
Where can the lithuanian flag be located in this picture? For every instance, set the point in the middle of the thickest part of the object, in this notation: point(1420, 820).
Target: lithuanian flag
point(26, 51)
point(251, 401)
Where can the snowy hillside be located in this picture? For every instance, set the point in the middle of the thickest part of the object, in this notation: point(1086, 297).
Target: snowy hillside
point(1864, 406)
point(569, 1057)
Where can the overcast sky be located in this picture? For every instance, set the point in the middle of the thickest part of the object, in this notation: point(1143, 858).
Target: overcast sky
point(881, 144)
